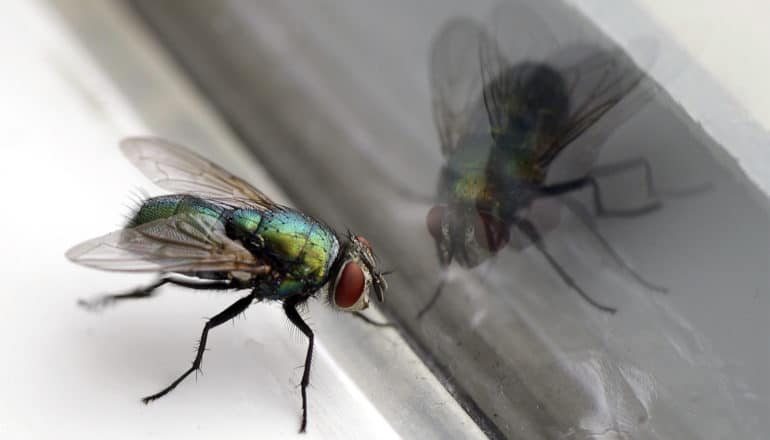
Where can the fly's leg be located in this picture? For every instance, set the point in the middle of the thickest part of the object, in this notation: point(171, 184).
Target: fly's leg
point(290, 308)
point(436, 294)
point(148, 291)
point(626, 165)
point(103, 301)
point(652, 191)
point(582, 214)
point(229, 313)
point(528, 229)
point(563, 188)
point(610, 170)
point(370, 321)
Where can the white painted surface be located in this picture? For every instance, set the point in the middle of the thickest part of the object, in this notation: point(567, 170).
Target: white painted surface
point(730, 40)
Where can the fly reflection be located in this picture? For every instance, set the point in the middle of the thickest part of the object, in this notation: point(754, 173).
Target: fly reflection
point(508, 110)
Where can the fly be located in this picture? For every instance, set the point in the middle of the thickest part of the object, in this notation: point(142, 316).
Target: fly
point(502, 124)
point(217, 232)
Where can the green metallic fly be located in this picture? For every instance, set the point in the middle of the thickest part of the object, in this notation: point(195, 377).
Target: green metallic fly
point(217, 232)
point(507, 106)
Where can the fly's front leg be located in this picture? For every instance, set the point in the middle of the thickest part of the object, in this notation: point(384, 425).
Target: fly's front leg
point(290, 308)
point(148, 291)
point(436, 295)
point(372, 322)
point(229, 313)
point(439, 288)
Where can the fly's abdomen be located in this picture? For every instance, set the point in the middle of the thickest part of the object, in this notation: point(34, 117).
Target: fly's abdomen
point(156, 208)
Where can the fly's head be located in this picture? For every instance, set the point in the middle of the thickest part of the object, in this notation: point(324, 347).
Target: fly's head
point(356, 276)
point(466, 234)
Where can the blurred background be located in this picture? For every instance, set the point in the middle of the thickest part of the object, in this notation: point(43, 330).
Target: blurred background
point(339, 108)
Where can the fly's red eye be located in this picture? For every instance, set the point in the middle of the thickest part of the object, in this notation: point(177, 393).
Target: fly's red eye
point(349, 286)
point(491, 232)
point(434, 219)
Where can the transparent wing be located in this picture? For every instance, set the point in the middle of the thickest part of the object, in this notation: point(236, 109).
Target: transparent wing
point(597, 80)
point(183, 243)
point(596, 74)
point(456, 82)
point(518, 39)
point(471, 95)
point(178, 169)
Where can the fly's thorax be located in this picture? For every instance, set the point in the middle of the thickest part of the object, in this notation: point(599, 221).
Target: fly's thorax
point(473, 186)
point(465, 176)
point(354, 276)
point(299, 249)
point(490, 176)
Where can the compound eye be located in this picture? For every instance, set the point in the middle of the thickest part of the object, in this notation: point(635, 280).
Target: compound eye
point(349, 286)
point(434, 219)
point(491, 232)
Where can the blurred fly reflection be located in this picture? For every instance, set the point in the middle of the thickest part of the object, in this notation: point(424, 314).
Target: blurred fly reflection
point(521, 113)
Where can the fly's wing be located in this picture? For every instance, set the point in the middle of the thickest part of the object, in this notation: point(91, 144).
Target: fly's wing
point(598, 80)
point(178, 169)
point(182, 243)
point(456, 82)
point(597, 75)
point(472, 96)
point(519, 37)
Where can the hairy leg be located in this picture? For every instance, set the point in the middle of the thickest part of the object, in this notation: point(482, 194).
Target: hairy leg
point(224, 316)
point(148, 291)
point(290, 308)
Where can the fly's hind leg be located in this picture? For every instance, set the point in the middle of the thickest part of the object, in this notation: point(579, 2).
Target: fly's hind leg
point(226, 315)
point(150, 290)
point(653, 194)
point(559, 189)
point(627, 165)
point(528, 229)
point(584, 216)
